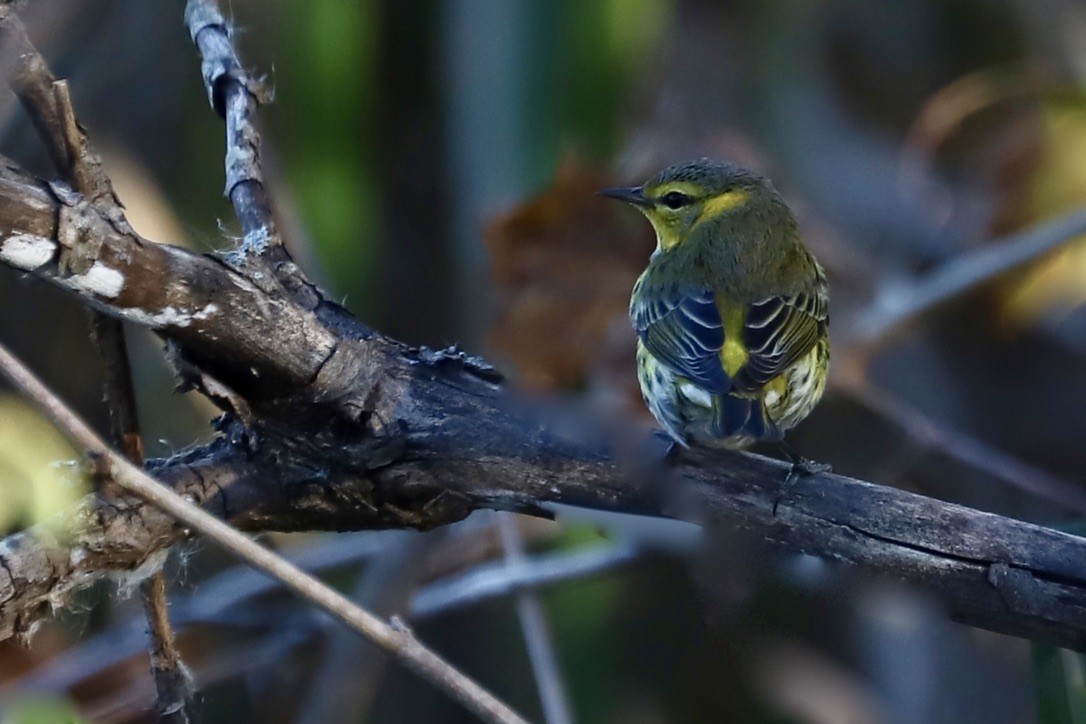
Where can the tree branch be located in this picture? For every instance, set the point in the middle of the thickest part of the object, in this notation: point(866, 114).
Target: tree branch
point(959, 275)
point(396, 641)
point(360, 432)
point(449, 443)
point(235, 95)
point(49, 105)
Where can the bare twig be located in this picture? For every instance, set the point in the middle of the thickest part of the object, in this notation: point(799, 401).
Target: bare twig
point(537, 636)
point(493, 580)
point(397, 641)
point(931, 434)
point(349, 678)
point(234, 94)
point(49, 105)
point(173, 683)
point(229, 664)
point(227, 599)
point(957, 276)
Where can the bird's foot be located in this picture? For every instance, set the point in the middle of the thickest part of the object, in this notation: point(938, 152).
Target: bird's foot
point(804, 467)
point(801, 468)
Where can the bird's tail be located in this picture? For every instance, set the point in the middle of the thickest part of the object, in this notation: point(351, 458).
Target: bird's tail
point(743, 417)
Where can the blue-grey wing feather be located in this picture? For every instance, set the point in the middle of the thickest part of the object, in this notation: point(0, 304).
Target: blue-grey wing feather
point(681, 327)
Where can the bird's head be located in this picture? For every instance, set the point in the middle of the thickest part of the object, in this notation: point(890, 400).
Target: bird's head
point(693, 195)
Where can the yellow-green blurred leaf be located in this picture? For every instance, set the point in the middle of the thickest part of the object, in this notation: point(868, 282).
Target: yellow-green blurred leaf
point(40, 710)
point(37, 479)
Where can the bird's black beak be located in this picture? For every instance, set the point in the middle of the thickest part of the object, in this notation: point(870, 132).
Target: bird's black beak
point(633, 195)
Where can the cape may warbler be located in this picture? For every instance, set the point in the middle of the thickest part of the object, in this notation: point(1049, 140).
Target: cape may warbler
point(731, 313)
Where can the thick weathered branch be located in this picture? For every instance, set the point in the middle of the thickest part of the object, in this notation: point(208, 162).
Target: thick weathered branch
point(257, 342)
point(449, 442)
point(397, 641)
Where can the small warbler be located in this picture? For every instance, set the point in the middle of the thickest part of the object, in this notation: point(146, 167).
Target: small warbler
point(731, 313)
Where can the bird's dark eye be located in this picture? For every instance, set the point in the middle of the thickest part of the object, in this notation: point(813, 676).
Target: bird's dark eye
point(675, 199)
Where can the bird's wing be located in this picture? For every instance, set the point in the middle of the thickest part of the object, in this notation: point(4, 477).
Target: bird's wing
point(778, 330)
point(681, 327)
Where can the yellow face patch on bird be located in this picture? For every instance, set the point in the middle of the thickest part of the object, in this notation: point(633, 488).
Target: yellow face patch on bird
point(721, 203)
point(676, 207)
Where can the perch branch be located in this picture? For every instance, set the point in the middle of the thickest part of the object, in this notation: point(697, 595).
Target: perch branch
point(453, 444)
point(359, 432)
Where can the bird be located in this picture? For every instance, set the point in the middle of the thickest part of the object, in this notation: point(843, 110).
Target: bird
point(732, 311)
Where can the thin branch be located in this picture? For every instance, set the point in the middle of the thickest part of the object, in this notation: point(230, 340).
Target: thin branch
point(348, 679)
point(229, 598)
point(49, 105)
point(226, 599)
point(397, 641)
point(494, 580)
point(963, 273)
point(537, 636)
point(230, 664)
point(173, 683)
point(234, 94)
point(929, 433)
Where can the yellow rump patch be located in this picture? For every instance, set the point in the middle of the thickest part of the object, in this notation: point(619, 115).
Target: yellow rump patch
point(734, 353)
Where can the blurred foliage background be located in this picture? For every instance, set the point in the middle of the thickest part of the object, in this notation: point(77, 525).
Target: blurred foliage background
point(433, 164)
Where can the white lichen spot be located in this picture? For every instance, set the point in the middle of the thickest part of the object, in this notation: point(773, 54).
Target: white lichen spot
point(26, 251)
point(77, 556)
point(99, 279)
point(168, 317)
point(206, 312)
point(256, 241)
